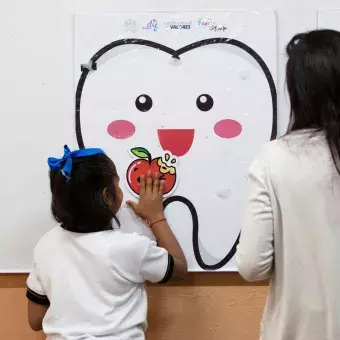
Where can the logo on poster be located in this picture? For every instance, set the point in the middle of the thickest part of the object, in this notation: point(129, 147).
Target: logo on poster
point(130, 25)
point(211, 25)
point(151, 26)
point(205, 22)
point(178, 25)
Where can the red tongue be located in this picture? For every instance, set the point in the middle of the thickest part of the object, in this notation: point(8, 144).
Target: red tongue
point(177, 141)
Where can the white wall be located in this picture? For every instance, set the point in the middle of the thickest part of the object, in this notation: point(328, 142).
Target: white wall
point(36, 85)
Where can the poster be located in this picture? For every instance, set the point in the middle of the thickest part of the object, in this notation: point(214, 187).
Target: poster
point(191, 94)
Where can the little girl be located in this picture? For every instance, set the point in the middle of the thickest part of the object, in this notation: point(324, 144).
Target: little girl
point(88, 277)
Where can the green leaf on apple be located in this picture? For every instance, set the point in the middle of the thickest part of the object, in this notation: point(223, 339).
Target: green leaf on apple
point(141, 153)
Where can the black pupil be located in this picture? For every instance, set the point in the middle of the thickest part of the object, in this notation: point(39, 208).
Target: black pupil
point(143, 103)
point(138, 179)
point(205, 102)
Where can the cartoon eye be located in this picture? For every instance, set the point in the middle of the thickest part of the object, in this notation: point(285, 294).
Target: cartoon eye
point(143, 103)
point(205, 102)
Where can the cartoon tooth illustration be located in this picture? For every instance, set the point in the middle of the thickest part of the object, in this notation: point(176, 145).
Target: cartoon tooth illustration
point(205, 138)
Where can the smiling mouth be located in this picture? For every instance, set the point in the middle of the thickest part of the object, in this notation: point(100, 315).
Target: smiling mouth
point(177, 141)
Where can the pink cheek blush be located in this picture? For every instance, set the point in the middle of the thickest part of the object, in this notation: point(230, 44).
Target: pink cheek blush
point(121, 129)
point(228, 128)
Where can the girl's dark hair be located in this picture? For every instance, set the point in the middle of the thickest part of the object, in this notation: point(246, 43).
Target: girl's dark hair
point(78, 204)
point(313, 82)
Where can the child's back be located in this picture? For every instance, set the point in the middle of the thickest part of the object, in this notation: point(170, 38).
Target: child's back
point(94, 282)
point(88, 279)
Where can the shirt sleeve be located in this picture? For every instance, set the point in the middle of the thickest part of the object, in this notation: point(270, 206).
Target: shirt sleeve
point(157, 265)
point(255, 251)
point(35, 291)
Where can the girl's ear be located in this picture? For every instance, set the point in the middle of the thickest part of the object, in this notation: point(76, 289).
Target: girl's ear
point(106, 196)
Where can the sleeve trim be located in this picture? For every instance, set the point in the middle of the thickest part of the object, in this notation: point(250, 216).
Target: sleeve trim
point(37, 298)
point(169, 271)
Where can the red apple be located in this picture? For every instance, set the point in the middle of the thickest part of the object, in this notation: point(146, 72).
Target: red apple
point(143, 164)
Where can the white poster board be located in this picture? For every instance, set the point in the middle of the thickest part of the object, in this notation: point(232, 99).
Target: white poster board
point(198, 87)
point(329, 19)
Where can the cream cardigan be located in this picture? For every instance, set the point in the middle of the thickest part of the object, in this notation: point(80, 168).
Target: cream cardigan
point(291, 234)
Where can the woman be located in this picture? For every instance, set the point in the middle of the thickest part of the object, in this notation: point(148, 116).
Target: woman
point(291, 232)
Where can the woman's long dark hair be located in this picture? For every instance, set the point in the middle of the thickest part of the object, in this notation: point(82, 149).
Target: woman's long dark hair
point(313, 83)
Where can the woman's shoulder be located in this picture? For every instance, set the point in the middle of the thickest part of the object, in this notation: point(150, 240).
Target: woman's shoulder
point(272, 155)
point(292, 155)
point(267, 151)
point(291, 144)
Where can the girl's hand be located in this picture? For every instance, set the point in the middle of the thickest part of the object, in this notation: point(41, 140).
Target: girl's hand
point(150, 208)
point(150, 205)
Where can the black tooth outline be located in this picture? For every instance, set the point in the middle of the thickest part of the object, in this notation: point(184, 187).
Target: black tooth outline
point(195, 232)
point(176, 54)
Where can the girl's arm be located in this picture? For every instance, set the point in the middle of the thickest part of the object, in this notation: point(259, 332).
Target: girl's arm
point(167, 240)
point(255, 251)
point(150, 208)
point(36, 314)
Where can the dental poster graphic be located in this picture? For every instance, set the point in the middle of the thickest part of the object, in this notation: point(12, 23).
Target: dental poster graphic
point(188, 95)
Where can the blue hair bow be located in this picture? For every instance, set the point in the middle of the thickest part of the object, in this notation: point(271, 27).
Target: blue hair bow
point(64, 164)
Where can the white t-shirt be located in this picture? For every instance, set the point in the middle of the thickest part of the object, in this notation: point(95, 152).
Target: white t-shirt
point(291, 234)
point(94, 283)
